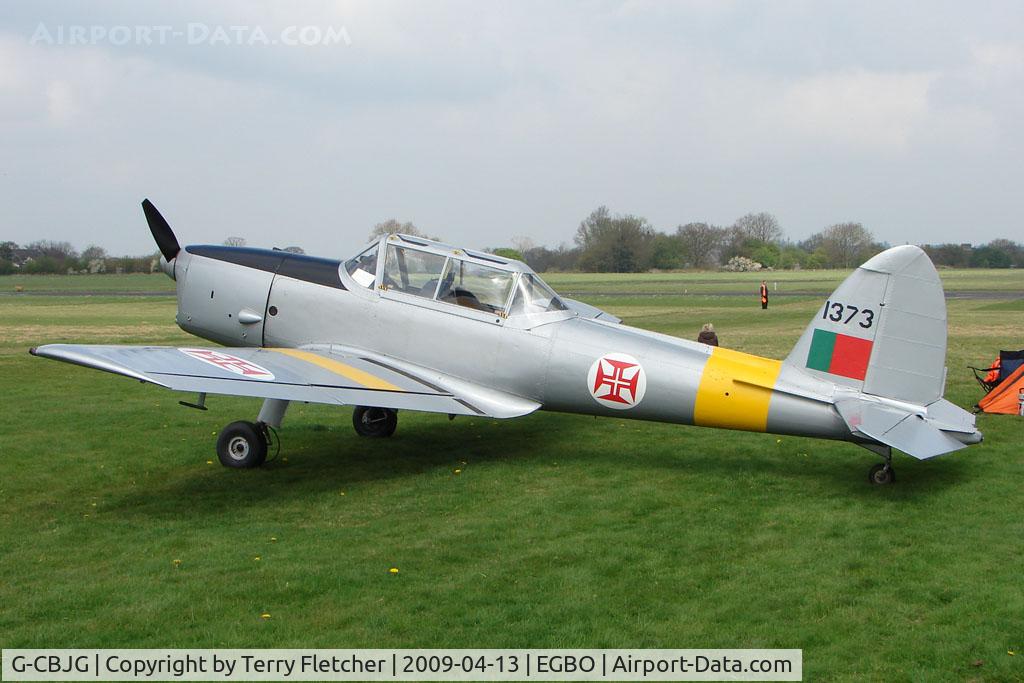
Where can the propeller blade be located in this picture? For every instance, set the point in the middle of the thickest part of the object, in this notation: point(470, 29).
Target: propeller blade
point(161, 230)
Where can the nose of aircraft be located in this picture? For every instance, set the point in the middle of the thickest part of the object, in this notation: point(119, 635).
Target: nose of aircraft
point(167, 266)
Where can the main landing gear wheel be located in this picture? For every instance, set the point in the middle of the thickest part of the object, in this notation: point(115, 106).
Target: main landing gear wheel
point(882, 474)
point(374, 422)
point(242, 445)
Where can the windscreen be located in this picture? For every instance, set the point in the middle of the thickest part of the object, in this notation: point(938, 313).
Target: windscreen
point(534, 296)
point(363, 268)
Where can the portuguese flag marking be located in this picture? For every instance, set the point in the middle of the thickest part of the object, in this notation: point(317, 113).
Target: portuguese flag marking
point(839, 354)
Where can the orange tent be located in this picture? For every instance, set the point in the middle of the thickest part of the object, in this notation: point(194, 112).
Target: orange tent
point(1006, 396)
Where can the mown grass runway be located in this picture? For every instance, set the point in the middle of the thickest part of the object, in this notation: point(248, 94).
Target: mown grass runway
point(118, 528)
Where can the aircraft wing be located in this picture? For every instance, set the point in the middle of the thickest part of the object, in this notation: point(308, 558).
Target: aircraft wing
point(321, 374)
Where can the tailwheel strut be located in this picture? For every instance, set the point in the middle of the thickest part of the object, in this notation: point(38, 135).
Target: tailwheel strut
point(883, 473)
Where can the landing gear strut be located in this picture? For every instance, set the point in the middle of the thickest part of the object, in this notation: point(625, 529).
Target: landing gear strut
point(374, 422)
point(882, 474)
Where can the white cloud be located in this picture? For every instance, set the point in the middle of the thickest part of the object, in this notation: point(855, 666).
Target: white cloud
point(864, 112)
point(60, 99)
point(1000, 57)
point(483, 121)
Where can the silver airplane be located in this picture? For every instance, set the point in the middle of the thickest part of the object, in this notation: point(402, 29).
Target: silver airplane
point(414, 324)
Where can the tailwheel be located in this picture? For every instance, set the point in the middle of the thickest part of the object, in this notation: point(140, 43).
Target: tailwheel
point(374, 422)
point(242, 445)
point(882, 474)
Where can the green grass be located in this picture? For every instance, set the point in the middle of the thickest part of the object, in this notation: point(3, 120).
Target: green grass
point(559, 531)
point(787, 281)
point(106, 283)
point(690, 282)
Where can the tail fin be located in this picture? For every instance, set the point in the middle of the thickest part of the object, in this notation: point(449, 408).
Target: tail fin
point(881, 336)
point(883, 331)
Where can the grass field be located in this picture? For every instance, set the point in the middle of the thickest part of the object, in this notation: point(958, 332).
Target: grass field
point(700, 282)
point(110, 284)
point(118, 528)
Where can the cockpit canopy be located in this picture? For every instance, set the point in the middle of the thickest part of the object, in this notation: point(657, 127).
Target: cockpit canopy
point(439, 272)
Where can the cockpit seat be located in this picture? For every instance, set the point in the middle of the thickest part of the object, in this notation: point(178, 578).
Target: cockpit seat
point(464, 297)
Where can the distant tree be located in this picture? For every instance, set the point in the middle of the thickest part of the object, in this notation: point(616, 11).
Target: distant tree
point(813, 260)
point(235, 242)
point(93, 252)
point(392, 227)
point(768, 255)
point(793, 257)
point(760, 227)
point(989, 256)
point(522, 244)
point(60, 251)
point(1013, 250)
point(43, 264)
point(7, 251)
point(844, 245)
point(737, 242)
point(506, 252)
point(7, 257)
point(667, 252)
point(543, 260)
point(51, 257)
point(999, 253)
point(701, 243)
point(614, 244)
point(951, 255)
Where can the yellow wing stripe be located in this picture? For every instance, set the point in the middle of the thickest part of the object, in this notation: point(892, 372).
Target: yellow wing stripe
point(354, 374)
point(727, 396)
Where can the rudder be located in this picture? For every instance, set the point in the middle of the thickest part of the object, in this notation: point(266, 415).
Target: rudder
point(882, 331)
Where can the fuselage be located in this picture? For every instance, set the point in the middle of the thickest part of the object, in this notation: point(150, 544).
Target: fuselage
point(565, 361)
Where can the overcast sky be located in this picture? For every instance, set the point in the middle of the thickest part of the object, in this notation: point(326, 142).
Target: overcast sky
point(481, 121)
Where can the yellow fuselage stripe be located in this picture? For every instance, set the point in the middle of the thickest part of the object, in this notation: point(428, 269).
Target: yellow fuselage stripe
point(727, 397)
point(355, 374)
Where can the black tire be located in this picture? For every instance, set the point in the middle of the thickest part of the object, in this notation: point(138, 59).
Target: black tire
point(374, 422)
point(242, 445)
point(880, 475)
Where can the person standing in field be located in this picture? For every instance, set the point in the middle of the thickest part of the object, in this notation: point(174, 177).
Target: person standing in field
point(707, 335)
point(764, 295)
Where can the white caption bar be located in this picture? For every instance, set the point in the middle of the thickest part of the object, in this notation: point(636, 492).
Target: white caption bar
point(402, 665)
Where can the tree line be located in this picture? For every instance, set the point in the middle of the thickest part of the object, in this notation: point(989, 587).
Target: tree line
point(47, 256)
point(626, 243)
point(604, 242)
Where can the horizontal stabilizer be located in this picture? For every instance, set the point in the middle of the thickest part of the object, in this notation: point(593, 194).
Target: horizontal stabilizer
point(951, 418)
point(906, 431)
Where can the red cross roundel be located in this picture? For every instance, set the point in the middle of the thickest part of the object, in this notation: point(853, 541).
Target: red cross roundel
point(233, 364)
point(617, 380)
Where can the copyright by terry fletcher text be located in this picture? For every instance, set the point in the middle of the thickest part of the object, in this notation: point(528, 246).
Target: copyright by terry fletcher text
point(402, 665)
